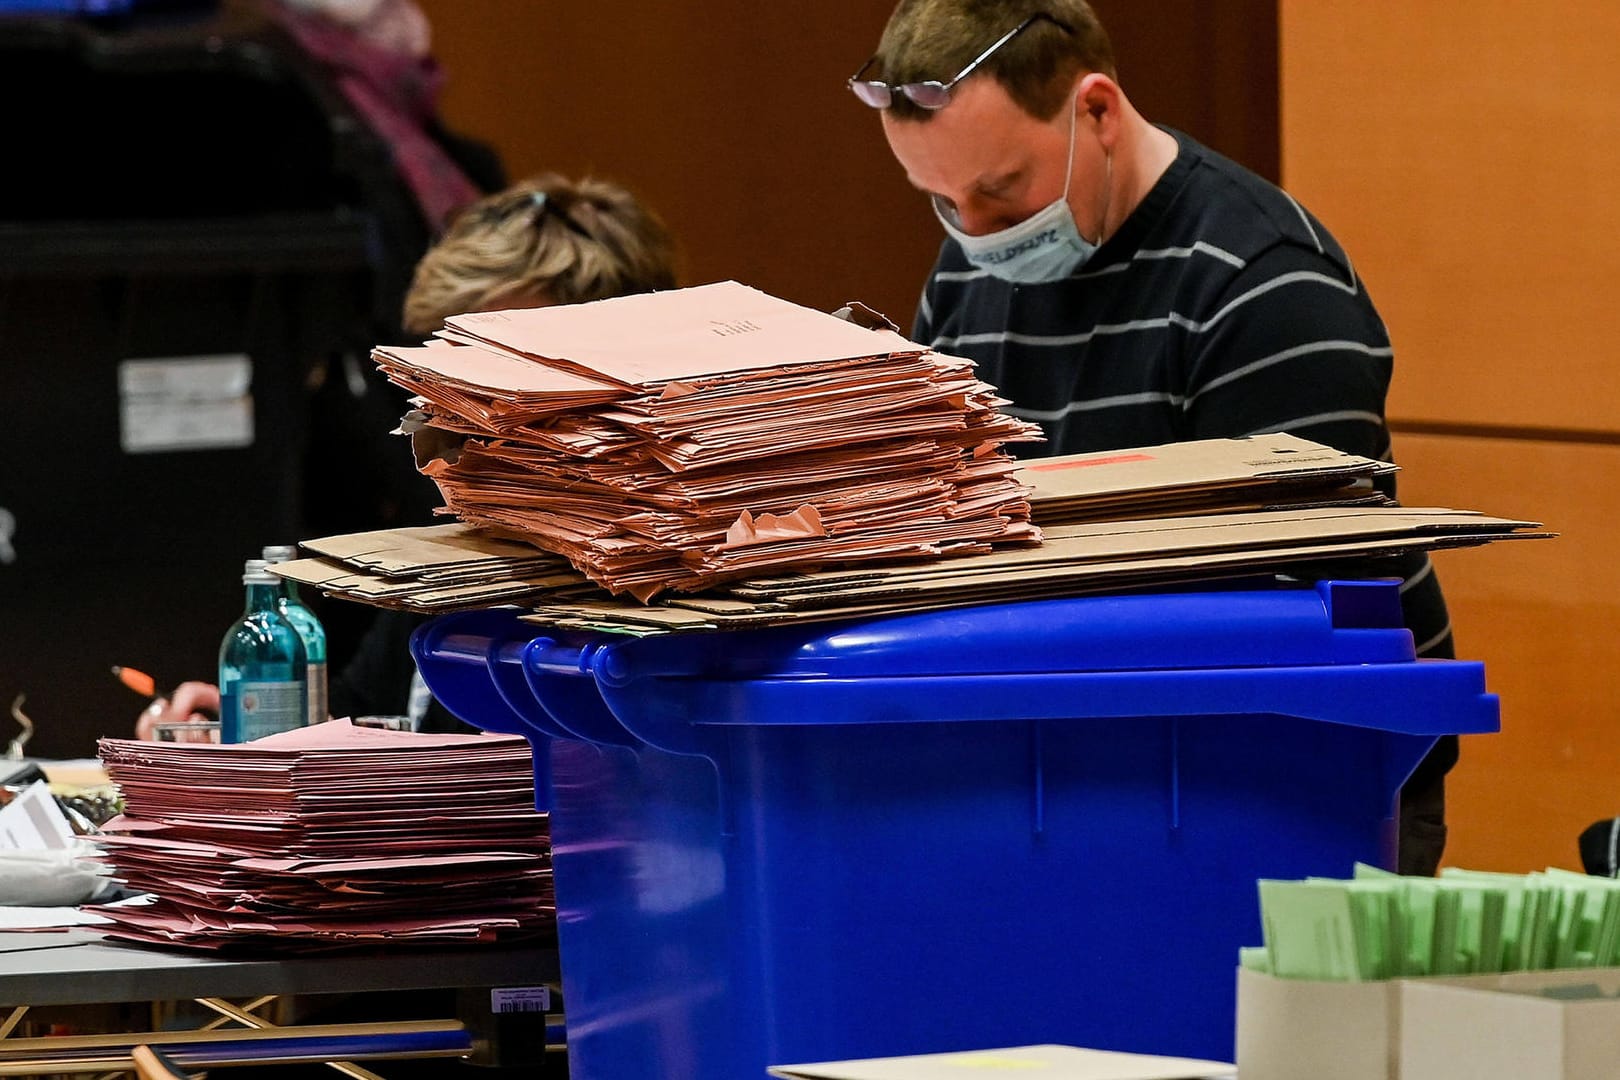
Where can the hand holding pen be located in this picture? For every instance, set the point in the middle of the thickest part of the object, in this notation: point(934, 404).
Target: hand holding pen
point(189, 702)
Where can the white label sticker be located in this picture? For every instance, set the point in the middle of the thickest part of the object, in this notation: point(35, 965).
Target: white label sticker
point(520, 999)
point(185, 403)
point(268, 707)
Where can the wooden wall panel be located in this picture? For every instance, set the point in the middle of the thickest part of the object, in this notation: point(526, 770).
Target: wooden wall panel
point(1544, 615)
point(1209, 69)
point(731, 117)
point(1464, 156)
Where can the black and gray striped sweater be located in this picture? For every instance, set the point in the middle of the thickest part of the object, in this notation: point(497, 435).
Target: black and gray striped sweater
point(1220, 308)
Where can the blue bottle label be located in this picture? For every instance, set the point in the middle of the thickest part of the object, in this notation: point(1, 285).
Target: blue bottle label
point(268, 707)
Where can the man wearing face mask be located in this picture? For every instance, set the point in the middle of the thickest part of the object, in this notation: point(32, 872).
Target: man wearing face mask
point(1124, 285)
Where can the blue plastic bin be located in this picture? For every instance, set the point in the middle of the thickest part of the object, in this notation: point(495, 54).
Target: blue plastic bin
point(1026, 823)
point(63, 7)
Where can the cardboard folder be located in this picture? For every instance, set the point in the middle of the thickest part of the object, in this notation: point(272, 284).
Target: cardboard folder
point(328, 836)
point(1072, 560)
point(671, 441)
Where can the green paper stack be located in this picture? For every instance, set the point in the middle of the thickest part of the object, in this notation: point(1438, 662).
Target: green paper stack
point(1379, 925)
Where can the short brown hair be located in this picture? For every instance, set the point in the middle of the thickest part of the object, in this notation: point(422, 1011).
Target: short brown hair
point(545, 240)
point(934, 39)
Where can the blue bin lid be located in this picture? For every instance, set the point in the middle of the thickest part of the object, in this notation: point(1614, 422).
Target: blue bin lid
point(1335, 652)
point(1330, 623)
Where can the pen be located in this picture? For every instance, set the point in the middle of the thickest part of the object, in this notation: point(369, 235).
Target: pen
point(138, 681)
point(146, 686)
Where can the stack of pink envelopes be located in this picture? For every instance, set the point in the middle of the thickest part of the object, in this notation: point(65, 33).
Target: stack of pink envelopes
point(671, 440)
point(329, 836)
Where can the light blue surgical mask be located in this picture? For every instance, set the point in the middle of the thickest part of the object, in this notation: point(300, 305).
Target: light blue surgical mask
point(1046, 246)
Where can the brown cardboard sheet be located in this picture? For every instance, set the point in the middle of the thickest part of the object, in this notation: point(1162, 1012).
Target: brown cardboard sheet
point(1338, 518)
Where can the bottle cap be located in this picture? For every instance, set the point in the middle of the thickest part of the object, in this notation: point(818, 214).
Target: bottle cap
point(255, 572)
point(275, 553)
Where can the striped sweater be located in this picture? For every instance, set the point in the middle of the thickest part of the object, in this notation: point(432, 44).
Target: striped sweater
point(1220, 308)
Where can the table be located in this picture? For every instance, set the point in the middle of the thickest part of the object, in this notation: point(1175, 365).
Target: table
point(80, 967)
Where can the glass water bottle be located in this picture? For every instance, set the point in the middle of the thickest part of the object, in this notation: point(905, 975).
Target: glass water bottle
point(263, 672)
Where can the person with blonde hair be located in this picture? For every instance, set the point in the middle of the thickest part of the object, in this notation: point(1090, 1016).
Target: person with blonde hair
point(543, 241)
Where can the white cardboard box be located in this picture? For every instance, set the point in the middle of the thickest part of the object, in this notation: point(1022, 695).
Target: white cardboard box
point(1475, 1027)
point(1291, 1029)
point(1503, 1027)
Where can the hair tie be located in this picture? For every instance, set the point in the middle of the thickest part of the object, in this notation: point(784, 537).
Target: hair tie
point(539, 199)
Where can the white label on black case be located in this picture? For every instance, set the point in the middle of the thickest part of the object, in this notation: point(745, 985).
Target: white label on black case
point(520, 999)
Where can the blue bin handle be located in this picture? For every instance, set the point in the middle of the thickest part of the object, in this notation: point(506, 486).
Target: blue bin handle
point(505, 661)
point(452, 655)
point(456, 655)
point(559, 678)
point(650, 707)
